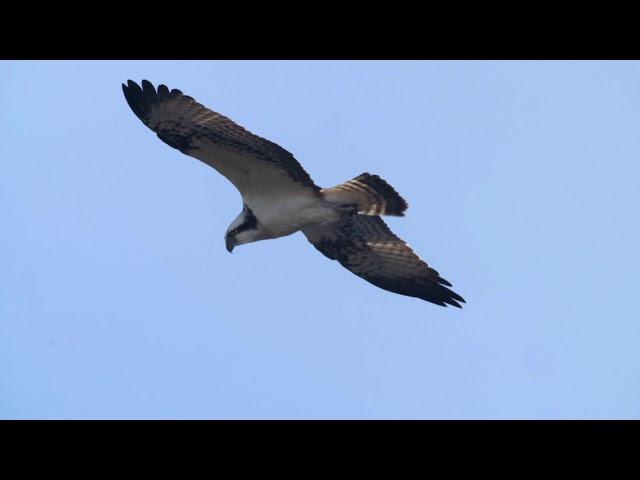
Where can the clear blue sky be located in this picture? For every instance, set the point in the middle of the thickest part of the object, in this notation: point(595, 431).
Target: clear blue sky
point(119, 300)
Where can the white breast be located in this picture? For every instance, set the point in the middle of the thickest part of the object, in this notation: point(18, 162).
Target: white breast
point(284, 215)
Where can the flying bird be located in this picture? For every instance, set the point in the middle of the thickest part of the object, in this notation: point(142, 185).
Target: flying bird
point(279, 197)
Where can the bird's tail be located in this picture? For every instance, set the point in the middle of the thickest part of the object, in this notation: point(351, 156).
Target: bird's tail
point(371, 194)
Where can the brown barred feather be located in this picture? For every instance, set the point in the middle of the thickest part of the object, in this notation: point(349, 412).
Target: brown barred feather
point(367, 247)
point(371, 194)
point(188, 126)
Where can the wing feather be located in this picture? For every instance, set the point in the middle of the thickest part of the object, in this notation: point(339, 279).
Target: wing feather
point(367, 247)
point(256, 166)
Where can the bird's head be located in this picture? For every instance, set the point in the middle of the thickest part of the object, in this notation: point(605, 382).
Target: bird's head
point(242, 230)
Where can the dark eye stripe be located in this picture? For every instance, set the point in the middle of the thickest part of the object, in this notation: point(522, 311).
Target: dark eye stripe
point(250, 221)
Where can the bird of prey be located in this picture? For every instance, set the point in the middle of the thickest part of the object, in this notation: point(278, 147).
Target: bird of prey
point(279, 197)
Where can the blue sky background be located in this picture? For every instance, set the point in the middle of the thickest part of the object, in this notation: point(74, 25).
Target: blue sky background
point(119, 300)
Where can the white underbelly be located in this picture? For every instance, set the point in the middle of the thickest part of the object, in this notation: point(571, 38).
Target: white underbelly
point(284, 216)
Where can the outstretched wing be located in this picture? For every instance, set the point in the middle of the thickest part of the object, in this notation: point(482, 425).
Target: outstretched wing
point(253, 164)
point(365, 246)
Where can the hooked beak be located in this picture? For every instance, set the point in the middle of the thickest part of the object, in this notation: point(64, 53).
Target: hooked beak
point(229, 244)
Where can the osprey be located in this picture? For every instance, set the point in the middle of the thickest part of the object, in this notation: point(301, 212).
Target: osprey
point(279, 197)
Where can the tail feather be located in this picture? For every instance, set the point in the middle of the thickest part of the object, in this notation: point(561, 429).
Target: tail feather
point(372, 195)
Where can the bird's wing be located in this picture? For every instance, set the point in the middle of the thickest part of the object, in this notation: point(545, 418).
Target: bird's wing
point(365, 246)
point(253, 164)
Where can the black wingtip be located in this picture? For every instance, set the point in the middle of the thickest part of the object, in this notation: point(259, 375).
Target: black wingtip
point(132, 96)
point(133, 85)
point(163, 92)
point(443, 296)
point(149, 91)
point(453, 296)
point(453, 303)
point(459, 299)
point(140, 99)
